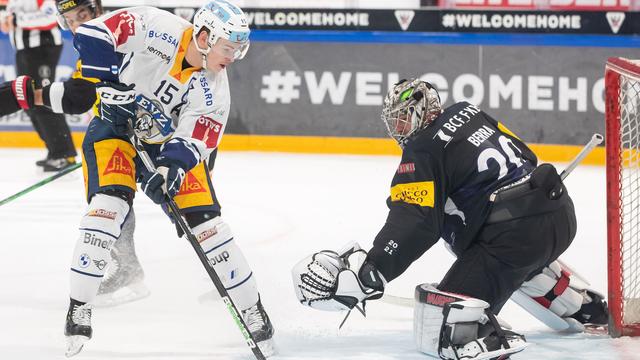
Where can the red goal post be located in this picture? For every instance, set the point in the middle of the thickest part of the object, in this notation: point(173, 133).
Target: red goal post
point(622, 97)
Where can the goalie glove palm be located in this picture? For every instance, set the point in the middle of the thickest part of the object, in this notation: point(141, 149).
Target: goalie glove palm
point(331, 281)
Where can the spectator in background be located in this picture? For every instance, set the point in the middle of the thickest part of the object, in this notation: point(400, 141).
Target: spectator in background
point(33, 29)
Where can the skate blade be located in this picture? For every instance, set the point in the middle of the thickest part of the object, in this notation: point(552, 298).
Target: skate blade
point(121, 296)
point(75, 344)
point(267, 347)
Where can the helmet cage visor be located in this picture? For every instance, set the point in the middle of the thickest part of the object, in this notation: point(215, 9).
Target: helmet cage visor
point(409, 107)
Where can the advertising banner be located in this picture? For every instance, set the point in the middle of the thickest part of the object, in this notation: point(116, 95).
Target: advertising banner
point(547, 94)
point(600, 5)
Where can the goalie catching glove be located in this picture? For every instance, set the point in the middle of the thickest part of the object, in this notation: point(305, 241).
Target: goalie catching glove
point(334, 281)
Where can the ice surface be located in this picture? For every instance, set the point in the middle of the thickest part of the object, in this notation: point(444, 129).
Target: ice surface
point(281, 208)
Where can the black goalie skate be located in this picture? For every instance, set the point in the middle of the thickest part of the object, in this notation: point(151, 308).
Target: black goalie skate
point(260, 327)
point(78, 326)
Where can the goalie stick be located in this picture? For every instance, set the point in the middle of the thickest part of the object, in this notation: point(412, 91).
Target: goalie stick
point(179, 218)
point(41, 183)
point(543, 314)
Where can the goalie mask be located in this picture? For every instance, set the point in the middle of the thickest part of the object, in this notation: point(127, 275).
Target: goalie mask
point(411, 105)
point(222, 20)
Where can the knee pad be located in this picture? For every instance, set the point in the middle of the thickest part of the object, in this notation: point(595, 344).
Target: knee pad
point(99, 230)
point(225, 256)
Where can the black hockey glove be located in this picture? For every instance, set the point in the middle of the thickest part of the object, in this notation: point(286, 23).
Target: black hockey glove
point(165, 181)
point(23, 89)
point(117, 105)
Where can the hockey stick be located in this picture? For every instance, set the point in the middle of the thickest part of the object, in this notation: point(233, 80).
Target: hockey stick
point(41, 183)
point(179, 218)
point(596, 140)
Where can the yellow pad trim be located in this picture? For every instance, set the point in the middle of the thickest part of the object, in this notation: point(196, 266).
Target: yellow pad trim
point(114, 158)
point(195, 190)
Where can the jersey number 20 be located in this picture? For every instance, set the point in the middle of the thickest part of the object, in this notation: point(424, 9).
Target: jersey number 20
point(507, 147)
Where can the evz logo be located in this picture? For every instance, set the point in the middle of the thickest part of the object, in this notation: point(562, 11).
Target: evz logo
point(155, 110)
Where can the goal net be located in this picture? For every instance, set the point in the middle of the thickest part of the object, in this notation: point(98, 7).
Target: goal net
point(622, 96)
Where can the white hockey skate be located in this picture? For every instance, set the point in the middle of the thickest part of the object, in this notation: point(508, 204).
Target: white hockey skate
point(261, 328)
point(77, 327)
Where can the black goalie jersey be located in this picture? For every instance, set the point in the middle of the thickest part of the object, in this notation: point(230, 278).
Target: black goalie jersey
point(443, 185)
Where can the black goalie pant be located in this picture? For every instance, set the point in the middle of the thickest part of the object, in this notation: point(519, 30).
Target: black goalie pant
point(508, 253)
point(40, 64)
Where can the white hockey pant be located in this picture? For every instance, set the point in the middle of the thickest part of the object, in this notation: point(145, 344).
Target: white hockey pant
point(227, 259)
point(553, 289)
point(99, 229)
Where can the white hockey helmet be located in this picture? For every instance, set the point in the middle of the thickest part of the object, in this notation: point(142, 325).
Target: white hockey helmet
point(223, 20)
point(411, 105)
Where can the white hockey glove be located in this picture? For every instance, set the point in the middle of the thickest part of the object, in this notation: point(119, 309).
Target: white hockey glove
point(329, 280)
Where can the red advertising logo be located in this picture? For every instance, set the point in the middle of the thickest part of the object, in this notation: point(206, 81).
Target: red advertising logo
point(121, 25)
point(542, 5)
point(118, 164)
point(190, 185)
point(207, 130)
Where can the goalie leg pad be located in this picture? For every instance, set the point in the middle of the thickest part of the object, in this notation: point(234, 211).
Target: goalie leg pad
point(566, 296)
point(225, 256)
point(448, 326)
point(99, 230)
point(551, 289)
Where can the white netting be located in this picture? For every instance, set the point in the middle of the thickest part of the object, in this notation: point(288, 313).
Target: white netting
point(629, 101)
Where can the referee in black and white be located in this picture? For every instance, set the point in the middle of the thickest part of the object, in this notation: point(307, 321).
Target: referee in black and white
point(33, 29)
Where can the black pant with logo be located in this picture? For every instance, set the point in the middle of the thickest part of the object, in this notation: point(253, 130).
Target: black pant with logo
point(40, 64)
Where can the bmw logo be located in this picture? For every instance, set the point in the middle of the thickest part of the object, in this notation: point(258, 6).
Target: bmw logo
point(84, 261)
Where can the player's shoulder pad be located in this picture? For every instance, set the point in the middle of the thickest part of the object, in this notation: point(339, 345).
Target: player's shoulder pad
point(119, 28)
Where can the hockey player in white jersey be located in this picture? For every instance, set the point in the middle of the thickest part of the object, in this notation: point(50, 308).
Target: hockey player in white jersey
point(169, 77)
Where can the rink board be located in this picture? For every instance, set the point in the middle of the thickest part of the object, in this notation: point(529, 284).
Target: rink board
point(327, 87)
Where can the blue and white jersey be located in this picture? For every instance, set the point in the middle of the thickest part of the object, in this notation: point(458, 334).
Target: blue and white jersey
point(146, 46)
